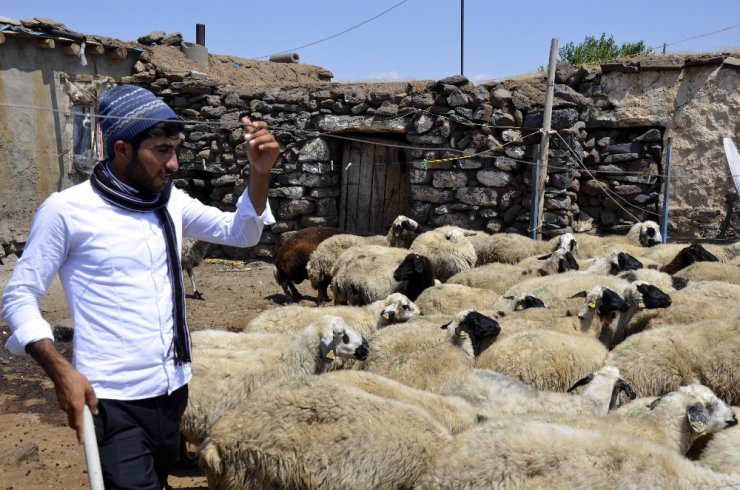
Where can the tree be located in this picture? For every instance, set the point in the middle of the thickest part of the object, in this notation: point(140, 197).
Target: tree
point(593, 51)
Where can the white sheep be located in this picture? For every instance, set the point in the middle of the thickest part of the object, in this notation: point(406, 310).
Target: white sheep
point(429, 360)
point(546, 359)
point(310, 433)
point(448, 299)
point(508, 248)
point(497, 396)
point(449, 250)
point(496, 277)
point(364, 273)
point(322, 259)
point(454, 413)
point(231, 341)
point(639, 237)
point(675, 420)
point(396, 308)
point(711, 271)
point(512, 454)
point(220, 381)
point(662, 359)
point(719, 451)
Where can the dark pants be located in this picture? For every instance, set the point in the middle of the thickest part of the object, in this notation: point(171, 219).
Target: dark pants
point(138, 440)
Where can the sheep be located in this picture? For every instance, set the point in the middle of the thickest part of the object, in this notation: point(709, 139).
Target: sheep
point(557, 262)
point(662, 359)
point(497, 395)
point(612, 263)
point(598, 310)
point(364, 273)
point(546, 359)
point(507, 248)
point(661, 280)
point(213, 389)
point(396, 308)
point(711, 271)
point(687, 256)
point(293, 254)
point(448, 299)
point(429, 363)
point(719, 451)
point(416, 271)
point(321, 262)
point(638, 237)
point(453, 413)
point(193, 253)
point(449, 250)
point(533, 454)
point(224, 339)
point(310, 433)
point(676, 419)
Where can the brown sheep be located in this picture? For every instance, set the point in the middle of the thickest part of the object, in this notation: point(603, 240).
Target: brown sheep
point(293, 255)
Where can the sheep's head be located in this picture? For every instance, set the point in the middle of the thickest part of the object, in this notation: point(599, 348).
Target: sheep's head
point(624, 262)
point(600, 300)
point(338, 339)
point(398, 308)
point(479, 329)
point(695, 253)
point(705, 412)
point(525, 301)
point(649, 233)
point(567, 242)
point(558, 261)
point(607, 378)
point(643, 295)
point(414, 265)
point(402, 232)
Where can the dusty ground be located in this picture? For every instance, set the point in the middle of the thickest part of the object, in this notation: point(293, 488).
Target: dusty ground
point(37, 449)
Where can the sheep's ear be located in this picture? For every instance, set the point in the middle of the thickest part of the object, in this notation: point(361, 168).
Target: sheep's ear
point(627, 389)
point(582, 382)
point(328, 351)
point(444, 327)
point(698, 418)
point(544, 257)
point(581, 294)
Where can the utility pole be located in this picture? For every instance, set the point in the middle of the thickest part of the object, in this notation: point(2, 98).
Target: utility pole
point(545, 142)
point(462, 36)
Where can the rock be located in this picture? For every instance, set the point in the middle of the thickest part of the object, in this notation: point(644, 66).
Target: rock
point(494, 178)
point(174, 39)
point(27, 452)
point(315, 150)
point(449, 179)
point(154, 37)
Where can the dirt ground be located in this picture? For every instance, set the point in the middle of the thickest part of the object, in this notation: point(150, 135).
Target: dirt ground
point(37, 449)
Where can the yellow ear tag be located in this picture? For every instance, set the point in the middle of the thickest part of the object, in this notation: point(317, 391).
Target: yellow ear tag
point(698, 426)
point(386, 315)
point(463, 335)
point(330, 355)
point(641, 304)
point(519, 307)
point(592, 304)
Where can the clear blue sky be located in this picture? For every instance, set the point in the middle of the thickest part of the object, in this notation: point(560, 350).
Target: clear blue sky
point(418, 39)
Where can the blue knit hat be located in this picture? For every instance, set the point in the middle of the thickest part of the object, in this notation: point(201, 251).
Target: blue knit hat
point(126, 111)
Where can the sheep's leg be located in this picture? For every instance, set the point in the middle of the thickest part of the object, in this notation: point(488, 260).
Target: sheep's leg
point(196, 293)
point(294, 292)
point(323, 296)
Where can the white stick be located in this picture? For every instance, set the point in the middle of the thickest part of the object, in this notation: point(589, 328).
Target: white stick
point(92, 458)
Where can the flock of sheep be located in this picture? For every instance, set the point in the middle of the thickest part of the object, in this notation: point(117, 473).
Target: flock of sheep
point(458, 359)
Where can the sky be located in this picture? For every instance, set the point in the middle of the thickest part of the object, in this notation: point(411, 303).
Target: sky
point(391, 40)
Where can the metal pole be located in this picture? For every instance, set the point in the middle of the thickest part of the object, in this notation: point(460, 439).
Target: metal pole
point(200, 34)
point(666, 185)
point(545, 143)
point(462, 36)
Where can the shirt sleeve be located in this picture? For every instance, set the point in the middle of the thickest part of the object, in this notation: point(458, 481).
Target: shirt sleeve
point(242, 228)
point(43, 254)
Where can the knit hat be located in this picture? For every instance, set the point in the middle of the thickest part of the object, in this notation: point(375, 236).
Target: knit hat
point(126, 111)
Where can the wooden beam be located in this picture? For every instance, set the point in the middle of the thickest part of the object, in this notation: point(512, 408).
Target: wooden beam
point(2, 38)
point(46, 43)
point(118, 53)
point(72, 49)
point(545, 142)
point(96, 49)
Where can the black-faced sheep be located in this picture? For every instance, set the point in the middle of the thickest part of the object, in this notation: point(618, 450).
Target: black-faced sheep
point(429, 362)
point(449, 250)
point(687, 256)
point(293, 254)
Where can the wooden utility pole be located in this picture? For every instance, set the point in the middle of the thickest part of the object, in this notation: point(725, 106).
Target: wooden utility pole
point(545, 142)
point(462, 36)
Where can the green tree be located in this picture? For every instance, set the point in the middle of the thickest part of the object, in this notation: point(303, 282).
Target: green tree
point(593, 51)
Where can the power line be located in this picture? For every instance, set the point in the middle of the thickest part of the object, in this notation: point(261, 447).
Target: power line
point(706, 34)
point(339, 33)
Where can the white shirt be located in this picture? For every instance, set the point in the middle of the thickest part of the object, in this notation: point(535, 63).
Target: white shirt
point(113, 267)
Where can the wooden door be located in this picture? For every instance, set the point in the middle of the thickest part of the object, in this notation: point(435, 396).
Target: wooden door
point(375, 187)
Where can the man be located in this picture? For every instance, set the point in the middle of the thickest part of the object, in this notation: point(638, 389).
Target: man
point(115, 242)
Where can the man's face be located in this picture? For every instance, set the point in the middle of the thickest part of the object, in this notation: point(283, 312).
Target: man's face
point(151, 168)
